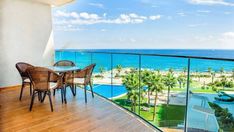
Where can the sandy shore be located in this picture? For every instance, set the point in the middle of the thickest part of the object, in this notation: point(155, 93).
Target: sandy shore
point(118, 80)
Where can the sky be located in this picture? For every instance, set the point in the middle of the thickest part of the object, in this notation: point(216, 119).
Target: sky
point(144, 24)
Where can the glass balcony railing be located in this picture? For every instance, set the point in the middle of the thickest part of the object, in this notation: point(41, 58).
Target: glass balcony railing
point(172, 93)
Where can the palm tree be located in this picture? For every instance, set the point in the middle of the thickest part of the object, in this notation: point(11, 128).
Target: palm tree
point(132, 70)
point(133, 86)
point(212, 74)
point(133, 95)
point(146, 76)
point(182, 80)
point(209, 70)
point(170, 82)
point(223, 81)
point(198, 75)
point(233, 73)
point(119, 69)
point(158, 71)
point(171, 70)
point(185, 70)
point(221, 70)
point(156, 86)
point(101, 70)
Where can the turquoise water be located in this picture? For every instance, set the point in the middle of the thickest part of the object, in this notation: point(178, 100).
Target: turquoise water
point(105, 90)
point(151, 62)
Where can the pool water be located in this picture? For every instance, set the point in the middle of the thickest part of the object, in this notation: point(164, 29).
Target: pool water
point(105, 90)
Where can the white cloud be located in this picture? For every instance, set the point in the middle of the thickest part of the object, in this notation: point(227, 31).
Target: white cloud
point(154, 6)
point(227, 13)
point(67, 28)
point(181, 14)
point(227, 40)
point(84, 18)
point(155, 17)
point(196, 25)
point(133, 15)
point(62, 14)
point(86, 15)
point(103, 30)
point(212, 2)
point(99, 5)
point(228, 35)
point(204, 38)
point(132, 40)
point(218, 41)
point(203, 11)
point(74, 14)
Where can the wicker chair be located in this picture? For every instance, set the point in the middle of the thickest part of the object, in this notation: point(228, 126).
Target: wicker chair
point(41, 79)
point(81, 78)
point(22, 67)
point(66, 63)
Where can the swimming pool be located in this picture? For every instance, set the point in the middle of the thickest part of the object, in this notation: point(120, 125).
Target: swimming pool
point(105, 90)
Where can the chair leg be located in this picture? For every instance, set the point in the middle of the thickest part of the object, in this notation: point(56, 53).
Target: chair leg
point(54, 92)
point(30, 84)
point(39, 96)
point(32, 101)
point(91, 88)
point(51, 105)
point(85, 94)
point(75, 88)
point(72, 89)
point(62, 95)
point(42, 100)
point(21, 91)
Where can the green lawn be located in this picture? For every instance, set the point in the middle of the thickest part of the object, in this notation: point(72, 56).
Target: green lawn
point(170, 115)
point(195, 87)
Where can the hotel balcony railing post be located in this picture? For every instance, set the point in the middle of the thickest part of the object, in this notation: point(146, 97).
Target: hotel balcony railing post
point(187, 96)
point(60, 55)
point(111, 76)
point(75, 58)
point(91, 58)
point(139, 85)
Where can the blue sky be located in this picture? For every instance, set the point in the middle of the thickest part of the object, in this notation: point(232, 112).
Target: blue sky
point(157, 24)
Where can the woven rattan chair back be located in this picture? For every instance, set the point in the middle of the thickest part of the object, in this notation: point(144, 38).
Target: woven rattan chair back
point(40, 78)
point(88, 73)
point(22, 67)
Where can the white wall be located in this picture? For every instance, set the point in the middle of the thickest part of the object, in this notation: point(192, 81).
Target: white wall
point(25, 35)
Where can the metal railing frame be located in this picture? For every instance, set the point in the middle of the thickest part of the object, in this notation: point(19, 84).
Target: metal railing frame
point(139, 70)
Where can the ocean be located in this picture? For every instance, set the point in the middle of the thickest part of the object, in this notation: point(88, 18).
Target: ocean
point(83, 59)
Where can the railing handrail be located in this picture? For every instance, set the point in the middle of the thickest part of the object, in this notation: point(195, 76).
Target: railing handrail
point(150, 54)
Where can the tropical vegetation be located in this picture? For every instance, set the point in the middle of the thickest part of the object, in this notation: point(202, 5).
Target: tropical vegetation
point(224, 117)
point(144, 87)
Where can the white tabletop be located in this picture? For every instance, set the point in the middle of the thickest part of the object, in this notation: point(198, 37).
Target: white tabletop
point(63, 68)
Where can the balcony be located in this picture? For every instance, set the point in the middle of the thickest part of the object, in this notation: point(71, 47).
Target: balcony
point(134, 91)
